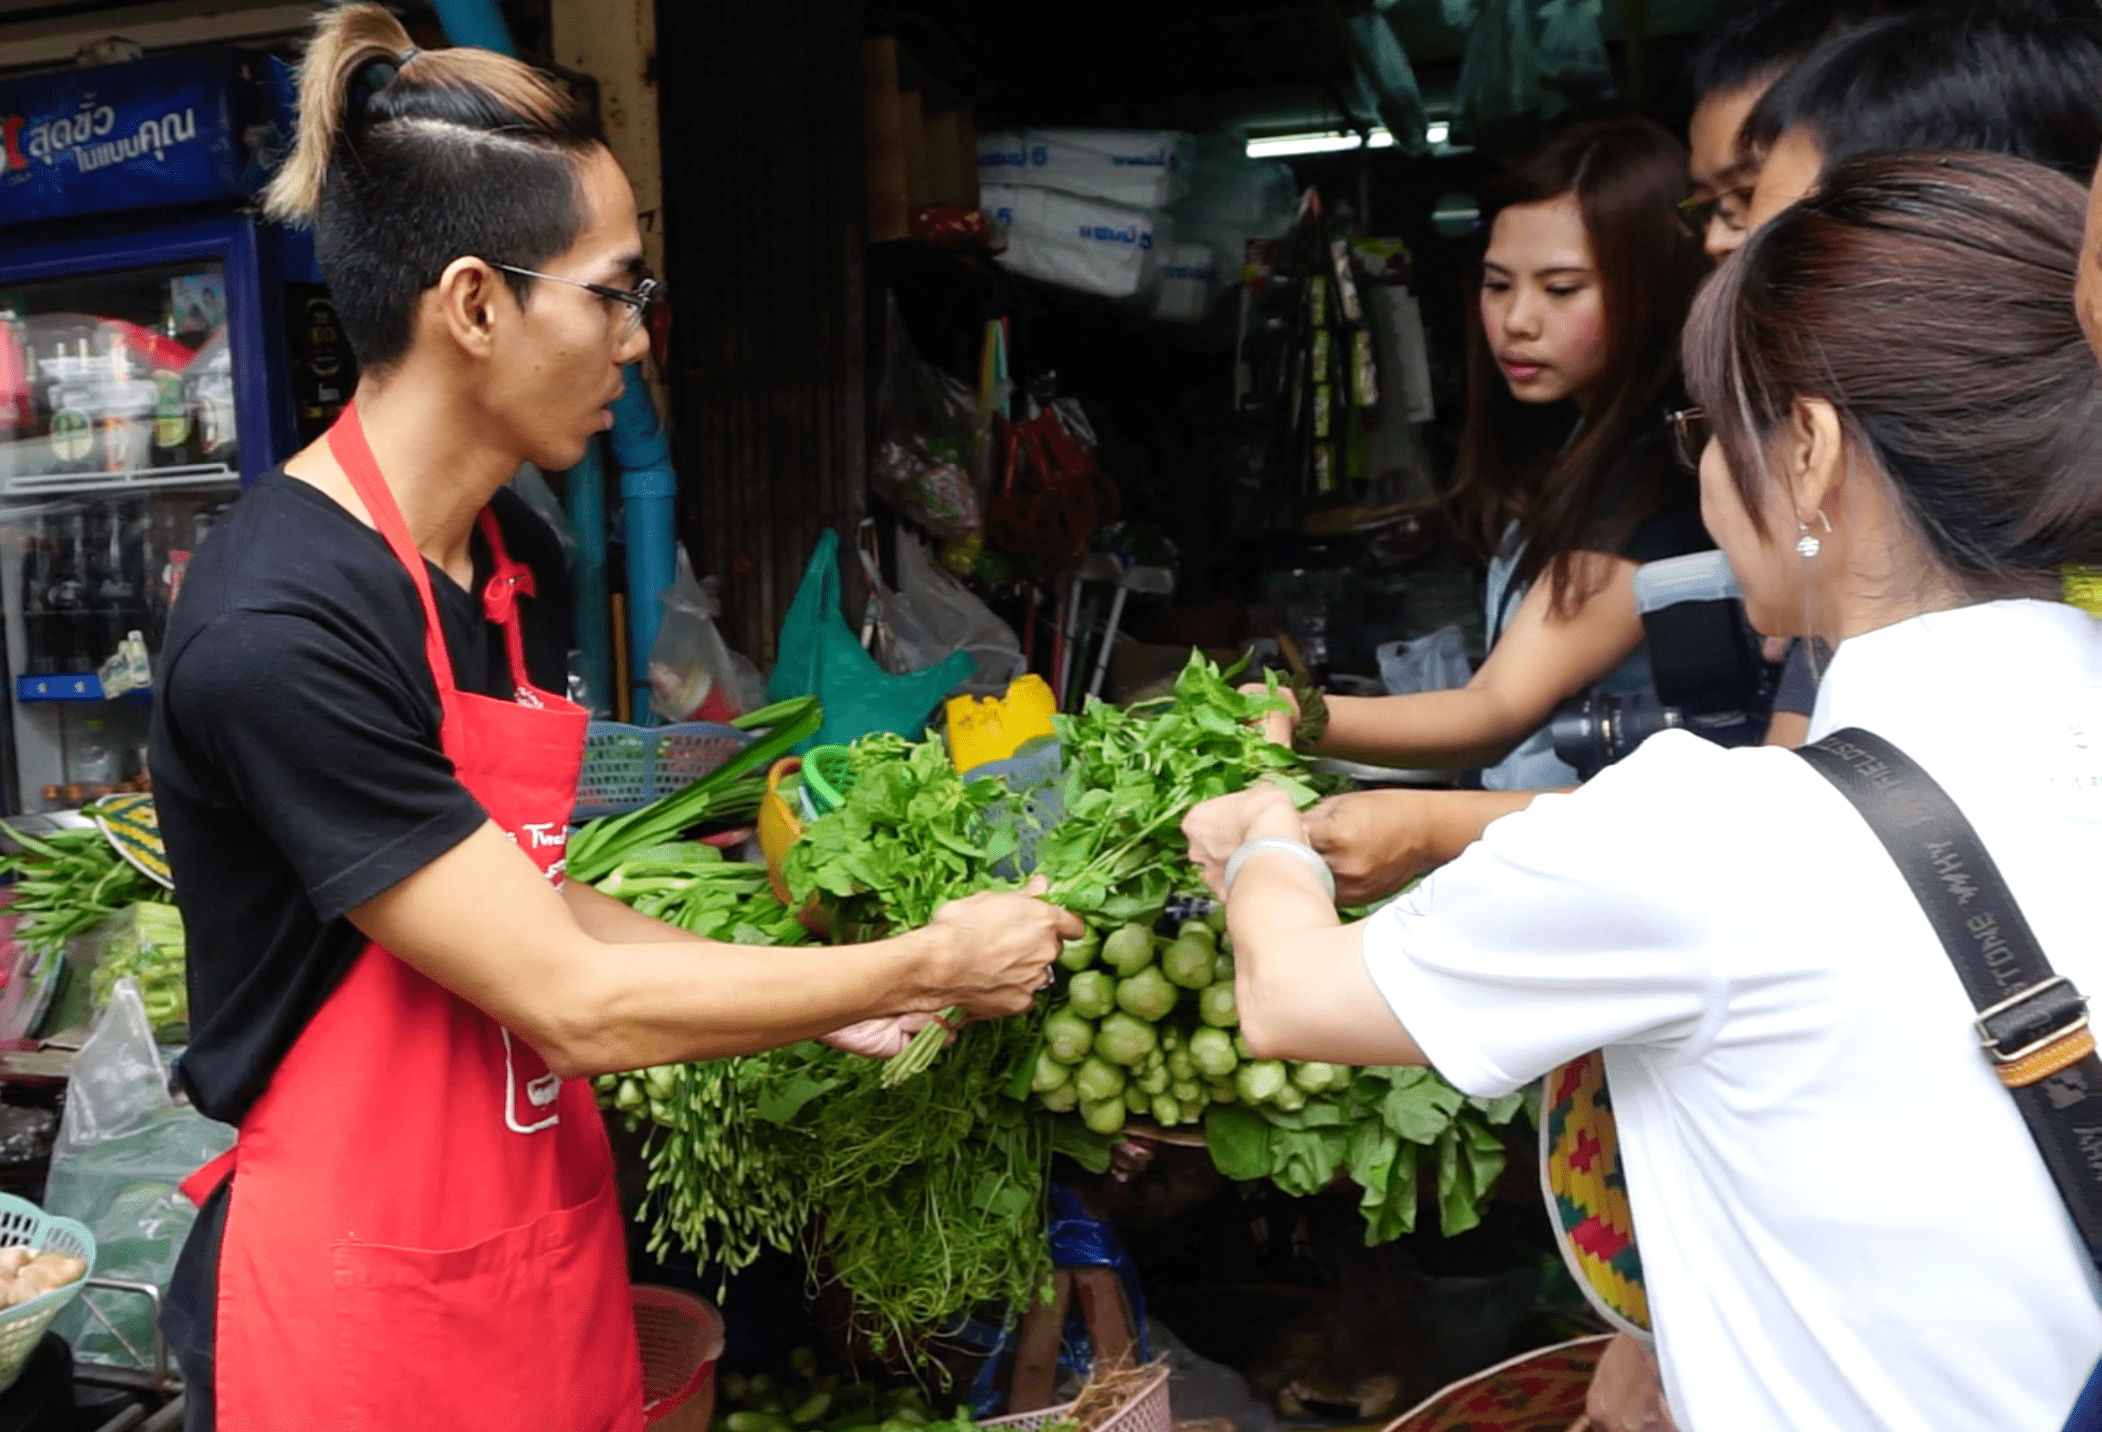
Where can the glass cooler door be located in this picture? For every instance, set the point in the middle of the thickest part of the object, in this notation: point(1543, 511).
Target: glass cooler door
point(118, 446)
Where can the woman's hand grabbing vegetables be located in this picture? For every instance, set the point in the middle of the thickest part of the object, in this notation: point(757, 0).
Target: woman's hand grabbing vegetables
point(997, 949)
point(1278, 726)
point(1217, 828)
point(1376, 842)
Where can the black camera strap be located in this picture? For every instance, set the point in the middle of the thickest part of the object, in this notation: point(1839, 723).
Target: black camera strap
point(2032, 1023)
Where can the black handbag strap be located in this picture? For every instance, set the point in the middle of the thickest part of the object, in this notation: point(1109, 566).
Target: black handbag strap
point(2032, 1023)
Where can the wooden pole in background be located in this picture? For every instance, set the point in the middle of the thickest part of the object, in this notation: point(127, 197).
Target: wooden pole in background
point(889, 214)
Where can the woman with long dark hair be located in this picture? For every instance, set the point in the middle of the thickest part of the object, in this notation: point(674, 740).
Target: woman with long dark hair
point(1844, 1218)
point(365, 774)
point(1566, 482)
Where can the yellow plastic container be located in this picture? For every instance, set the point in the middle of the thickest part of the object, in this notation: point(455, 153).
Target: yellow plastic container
point(780, 822)
point(992, 728)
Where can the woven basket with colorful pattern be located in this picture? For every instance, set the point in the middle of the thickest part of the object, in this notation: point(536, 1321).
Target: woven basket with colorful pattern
point(1542, 1391)
point(1587, 1196)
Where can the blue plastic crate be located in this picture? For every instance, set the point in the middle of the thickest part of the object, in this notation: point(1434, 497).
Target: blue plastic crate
point(626, 767)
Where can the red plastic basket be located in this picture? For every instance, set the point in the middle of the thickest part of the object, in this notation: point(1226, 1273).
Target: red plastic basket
point(681, 1337)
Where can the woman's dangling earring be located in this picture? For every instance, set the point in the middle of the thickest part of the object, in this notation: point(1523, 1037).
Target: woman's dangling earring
point(1807, 545)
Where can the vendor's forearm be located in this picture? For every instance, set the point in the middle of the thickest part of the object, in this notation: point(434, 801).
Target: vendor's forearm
point(482, 922)
point(659, 1003)
point(1431, 730)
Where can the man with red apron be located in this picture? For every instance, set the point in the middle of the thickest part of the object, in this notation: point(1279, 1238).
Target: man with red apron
point(421, 1214)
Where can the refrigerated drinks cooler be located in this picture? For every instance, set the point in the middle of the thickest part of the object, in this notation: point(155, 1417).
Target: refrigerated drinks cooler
point(134, 397)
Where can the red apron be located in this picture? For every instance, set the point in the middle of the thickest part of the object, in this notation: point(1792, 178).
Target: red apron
point(423, 1229)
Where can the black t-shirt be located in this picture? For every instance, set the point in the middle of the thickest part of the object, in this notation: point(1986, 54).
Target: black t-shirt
point(296, 763)
point(1673, 527)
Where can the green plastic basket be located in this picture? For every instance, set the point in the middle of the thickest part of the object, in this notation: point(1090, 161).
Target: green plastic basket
point(828, 775)
point(22, 1327)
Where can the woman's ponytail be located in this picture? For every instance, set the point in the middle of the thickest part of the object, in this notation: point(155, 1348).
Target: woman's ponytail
point(346, 40)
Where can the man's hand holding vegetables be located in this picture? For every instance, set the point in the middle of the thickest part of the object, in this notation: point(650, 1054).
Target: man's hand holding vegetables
point(596, 988)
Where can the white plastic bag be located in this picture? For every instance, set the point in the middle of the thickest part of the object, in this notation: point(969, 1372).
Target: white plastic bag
point(1090, 245)
point(1142, 168)
point(694, 676)
point(931, 614)
point(1437, 662)
point(124, 1147)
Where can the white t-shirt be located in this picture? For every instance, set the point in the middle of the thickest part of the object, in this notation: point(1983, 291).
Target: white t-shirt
point(1844, 1222)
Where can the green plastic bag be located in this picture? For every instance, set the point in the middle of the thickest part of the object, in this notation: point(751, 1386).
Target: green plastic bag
point(820, 656)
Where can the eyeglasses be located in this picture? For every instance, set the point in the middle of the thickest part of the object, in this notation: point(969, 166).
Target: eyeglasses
point(1732, 206)
point(638, 299)
point(1689, 436)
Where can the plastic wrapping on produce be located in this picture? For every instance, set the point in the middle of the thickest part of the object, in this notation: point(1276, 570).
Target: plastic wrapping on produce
point(1089, 245)
point(124, 1147)
point(1145, 168)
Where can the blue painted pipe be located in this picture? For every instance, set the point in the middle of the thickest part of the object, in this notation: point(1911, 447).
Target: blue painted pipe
point(584, 496)
point(474, 22)
point(648, 492)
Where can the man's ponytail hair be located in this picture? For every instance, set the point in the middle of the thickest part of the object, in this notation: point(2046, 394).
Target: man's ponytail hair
point(407, 159)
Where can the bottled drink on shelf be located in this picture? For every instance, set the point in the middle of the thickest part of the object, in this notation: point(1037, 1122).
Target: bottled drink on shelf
point(118, 611)
point(210, 380)
point(36, 621)
point(94, 620)
point(125, 405)
point(65, 601)
point(72, 418)
point(158, 546)
point(174, 425)
point(94, 759)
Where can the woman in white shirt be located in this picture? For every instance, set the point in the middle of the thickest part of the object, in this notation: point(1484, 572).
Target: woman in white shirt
point(1844, 1221)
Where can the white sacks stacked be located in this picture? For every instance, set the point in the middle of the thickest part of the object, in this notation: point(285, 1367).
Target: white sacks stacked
point(1083, 208)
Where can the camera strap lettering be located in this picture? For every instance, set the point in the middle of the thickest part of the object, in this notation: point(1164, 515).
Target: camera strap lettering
point(2032, 1023)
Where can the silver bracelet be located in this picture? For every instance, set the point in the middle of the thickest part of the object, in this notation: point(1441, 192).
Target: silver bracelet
point(1297, 848)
